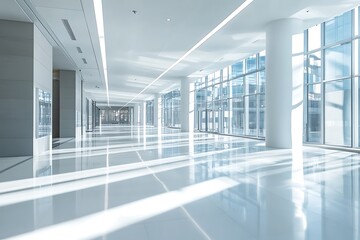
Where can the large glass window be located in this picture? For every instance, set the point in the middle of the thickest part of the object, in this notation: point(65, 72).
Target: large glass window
point(237, 86)
point(251, 85)
point(251, 115)
point(262, 82)
point(338, 112)
point(262, 116)
point(235, 104)
point(262, 60)
point(338, 61)
point(314, 68)
point(251, 63)
point(236, 69)
point(314, 113)
point(238, 116)
point(338, 29)
point(171, 108)
point(329, 86)
point(314, 37)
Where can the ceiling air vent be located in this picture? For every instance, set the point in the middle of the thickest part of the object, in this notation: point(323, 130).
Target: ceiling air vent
point(84, 60)
point(79, 50)
point(68, 29)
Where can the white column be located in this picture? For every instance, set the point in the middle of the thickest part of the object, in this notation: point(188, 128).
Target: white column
point(282, 131)
point(25, 77)
point(157, 110)
point(187, 105)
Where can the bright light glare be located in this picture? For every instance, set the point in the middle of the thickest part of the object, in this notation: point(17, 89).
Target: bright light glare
point(105, 222)
point(101, 32)
point(203, 40)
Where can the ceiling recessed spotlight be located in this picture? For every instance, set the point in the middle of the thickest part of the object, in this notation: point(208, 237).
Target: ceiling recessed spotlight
point(134, 11)
point(168, 19)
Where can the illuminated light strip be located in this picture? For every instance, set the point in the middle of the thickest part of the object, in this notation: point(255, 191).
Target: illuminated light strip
point(99, 15)
point(116, 218)
point(202, 41)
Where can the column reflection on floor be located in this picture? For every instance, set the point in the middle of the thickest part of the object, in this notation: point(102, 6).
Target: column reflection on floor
point(136, 182)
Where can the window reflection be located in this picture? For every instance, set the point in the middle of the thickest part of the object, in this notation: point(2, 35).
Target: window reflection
point(44, 113)
point(314, 113)
point(338, 112)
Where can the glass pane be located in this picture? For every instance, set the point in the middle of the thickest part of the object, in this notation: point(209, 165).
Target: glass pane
point(237, 118)
point(236, 69)
point(203, 120)
point(209, 94)
point(314, 68)
point(262, 116)
point(251, 83)
point(225, 91)
point(251, 63)
point(338, 29)
point(216, 92)
point(314, 113)
point(225, 74)
point(226, 117)
point(314, 37)
point(262, 57)
point(217, 119)
point(210, 79)
point(251, 115)
point(262, 83)
point(338, 61)
point(217, 77)
point(338, 112)
point(237, 87)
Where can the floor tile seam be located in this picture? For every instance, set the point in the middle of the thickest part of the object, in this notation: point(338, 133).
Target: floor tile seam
point(15, 165)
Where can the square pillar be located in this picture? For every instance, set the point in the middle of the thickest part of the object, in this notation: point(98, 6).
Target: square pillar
point(26, 89)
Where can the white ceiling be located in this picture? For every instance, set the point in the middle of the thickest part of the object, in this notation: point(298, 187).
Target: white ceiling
point(141, 46)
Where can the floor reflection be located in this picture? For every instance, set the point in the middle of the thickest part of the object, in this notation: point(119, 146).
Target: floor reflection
point(149, 183)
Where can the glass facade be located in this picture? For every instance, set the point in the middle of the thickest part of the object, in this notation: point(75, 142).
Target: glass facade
point(332, 88)
point(116, 115)
point(232, 100)
point(171, 109)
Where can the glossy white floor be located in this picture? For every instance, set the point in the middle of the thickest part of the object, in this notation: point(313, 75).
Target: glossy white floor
point(135, 183)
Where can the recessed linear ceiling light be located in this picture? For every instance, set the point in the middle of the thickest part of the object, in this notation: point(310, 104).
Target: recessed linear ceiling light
point(197, 45)
point(69, 29)
point(101, 32)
